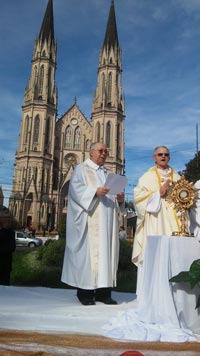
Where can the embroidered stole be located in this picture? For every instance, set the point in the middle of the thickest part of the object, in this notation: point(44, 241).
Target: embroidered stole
point(93, 221)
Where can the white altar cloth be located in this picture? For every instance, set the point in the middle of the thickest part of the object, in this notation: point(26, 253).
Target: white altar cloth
point(165, 311)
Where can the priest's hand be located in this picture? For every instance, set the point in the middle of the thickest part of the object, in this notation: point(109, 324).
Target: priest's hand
point(164, 187)
point(102, 191)
point(120, 197)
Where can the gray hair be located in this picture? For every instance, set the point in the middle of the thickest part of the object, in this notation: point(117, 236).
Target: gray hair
point(155, 149)
point(92, 146)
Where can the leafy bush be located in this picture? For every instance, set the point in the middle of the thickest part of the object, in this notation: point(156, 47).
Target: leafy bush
point(42, 266)
point(39, 267)
point(26, 268)
point(192, 277)
point(51, 254)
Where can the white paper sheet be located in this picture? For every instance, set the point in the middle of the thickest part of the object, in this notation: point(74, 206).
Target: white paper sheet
point(116, 183)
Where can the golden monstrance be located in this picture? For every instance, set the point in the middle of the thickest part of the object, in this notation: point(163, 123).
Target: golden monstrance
point(182, 195)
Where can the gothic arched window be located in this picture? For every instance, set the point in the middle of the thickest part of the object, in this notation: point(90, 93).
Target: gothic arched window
point(26, 129)
point(35, 174)
point(29, 174)
point(97, 132)
point(47, 180)
point(41, 80)
point(35, 75)
point(49, 83)
point(87, 144)
point(118, 140)
point(109, 87)
point(103, 85)
point(108, 134)
point(36, 129)
point(68, 137)
point(77, 137)
point(47, 133)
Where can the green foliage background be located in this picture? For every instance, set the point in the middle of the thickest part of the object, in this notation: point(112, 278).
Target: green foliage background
point(42, 266)
point(192, 171)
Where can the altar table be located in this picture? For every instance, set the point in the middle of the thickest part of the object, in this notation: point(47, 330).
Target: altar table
point(163, 302)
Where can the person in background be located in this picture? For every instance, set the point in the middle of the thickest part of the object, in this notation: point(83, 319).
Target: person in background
point(122, 233)
point(155, 213)
point(7, 246)
point(27, 231)
point(92, 242)
point(195, 212)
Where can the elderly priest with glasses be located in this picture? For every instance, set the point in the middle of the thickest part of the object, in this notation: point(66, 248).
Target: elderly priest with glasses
point(92, 242)
point(155, 213)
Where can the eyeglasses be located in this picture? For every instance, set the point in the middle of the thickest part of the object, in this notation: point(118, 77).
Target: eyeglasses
point(162, 154)
point(102, 151)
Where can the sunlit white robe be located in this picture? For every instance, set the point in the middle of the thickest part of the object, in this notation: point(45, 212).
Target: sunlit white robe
point(92, 242)
point(155, 215)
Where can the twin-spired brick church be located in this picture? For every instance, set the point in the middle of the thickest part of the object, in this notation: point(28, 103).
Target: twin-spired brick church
point(50, 148)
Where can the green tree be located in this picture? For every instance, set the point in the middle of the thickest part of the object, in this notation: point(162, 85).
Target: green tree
point(192, 171)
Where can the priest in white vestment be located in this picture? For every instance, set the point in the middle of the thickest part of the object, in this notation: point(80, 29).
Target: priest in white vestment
point(92, 241)
point(155, 214)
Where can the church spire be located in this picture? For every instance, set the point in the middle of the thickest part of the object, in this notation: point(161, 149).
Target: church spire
point(108, 102)
point(111, 37)
point(47, 28)
point(34, 158)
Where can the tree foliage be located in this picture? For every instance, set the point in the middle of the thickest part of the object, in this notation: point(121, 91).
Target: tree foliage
point(42, 266)
point(192, 171)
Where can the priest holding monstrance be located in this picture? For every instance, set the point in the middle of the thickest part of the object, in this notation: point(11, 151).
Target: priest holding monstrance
point(156, 214)
point(162, 249)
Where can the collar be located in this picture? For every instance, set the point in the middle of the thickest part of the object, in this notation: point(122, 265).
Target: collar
point(102, 168)
point(91, 164)
point(95, 166)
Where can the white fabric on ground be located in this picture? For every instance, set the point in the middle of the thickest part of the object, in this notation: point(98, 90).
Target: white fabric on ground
point(128, 326)
point(58, 310)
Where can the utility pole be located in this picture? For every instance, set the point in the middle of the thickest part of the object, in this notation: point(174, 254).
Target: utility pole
point(197, 145)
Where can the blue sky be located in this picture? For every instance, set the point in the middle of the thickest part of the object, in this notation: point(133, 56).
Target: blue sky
point(160, 42)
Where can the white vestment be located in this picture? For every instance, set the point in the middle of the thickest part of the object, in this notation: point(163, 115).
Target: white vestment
point(92, 242)
point(155, 215)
